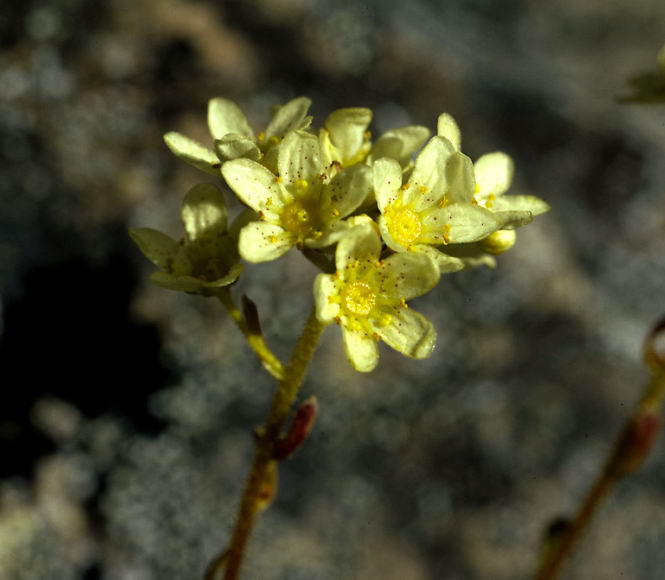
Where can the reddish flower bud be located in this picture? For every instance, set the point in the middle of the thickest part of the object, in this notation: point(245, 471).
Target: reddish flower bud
point(654, 347)
point(302, 424)
point(638, 440)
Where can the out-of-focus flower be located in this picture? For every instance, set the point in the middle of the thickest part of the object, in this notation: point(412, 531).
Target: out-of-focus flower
point(207, 258)
point(367, 297)
point(649, 87)
point(304, 204)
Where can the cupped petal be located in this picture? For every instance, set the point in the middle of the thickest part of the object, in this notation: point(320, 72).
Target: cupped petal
point(361, 243)
point(230, 278)
point(409, 332)
point(494, 174)
point(193, 152)
point(204, 212)
point(400, 143)
point(241, 220)
point(234, 145)
point(325, 294)
point(387, 236)
point(299, 157)
point(361, 350)
point(461, 223)
point(347, 190)
point(262, 242)
point(289, 117)
point(461, 181)
point(256, 186)
point(428, 182)
point(522, 203)
point(329, 153)
point(446, 264)
point(471, 255)
point(329, 235)
point(407, 275)
point(347, 129)
point(187, 283)
point(387, 177)
point(509, 220)
point(160, 249)
point(447, 127)
point(225, 117)
point(182, 283)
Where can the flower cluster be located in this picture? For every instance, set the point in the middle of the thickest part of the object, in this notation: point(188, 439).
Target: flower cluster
point(396, 223)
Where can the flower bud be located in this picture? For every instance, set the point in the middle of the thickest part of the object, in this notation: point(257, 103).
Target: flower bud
point(654, 347)
point(499, 242)
point(638, 439)
point(300, 427)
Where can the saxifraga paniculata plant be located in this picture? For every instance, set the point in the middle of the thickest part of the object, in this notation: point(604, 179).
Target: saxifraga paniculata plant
point(382, 223)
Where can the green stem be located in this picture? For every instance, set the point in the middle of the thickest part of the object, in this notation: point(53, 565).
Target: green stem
point(256, 341)
point(255, 489)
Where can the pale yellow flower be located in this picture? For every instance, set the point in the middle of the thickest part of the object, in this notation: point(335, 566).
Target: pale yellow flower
point(434, 207)
point(303, 205)
point(367, 297)
point(493, 176)
point(233, 136)
point(207, 258)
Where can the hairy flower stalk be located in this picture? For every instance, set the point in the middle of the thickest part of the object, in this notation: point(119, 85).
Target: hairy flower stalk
point(267, 438)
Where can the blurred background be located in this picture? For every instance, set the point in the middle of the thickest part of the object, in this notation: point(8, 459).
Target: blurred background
point(126, 410)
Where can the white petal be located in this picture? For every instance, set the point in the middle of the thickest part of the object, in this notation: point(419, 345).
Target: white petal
point(494, 173)
point(325, 291)
point(407, 275)
point(233, 145)
point(447, 127)
point(361, 350)
point(262, 242)
point(204, 212)
point(289, 117)
point(347, 129)
point(428, 182)
point(193, 152)
point(299, 157)
point(360, 243)
point(461, 181)
point(256, 187)
point(226, 117)
point(400, 143)
point(387, 181)
point(159, 248)
point(410, 333)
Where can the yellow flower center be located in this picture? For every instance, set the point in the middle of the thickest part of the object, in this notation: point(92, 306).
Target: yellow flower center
point(301, 218)
point(358, 299)
point(405, 226)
